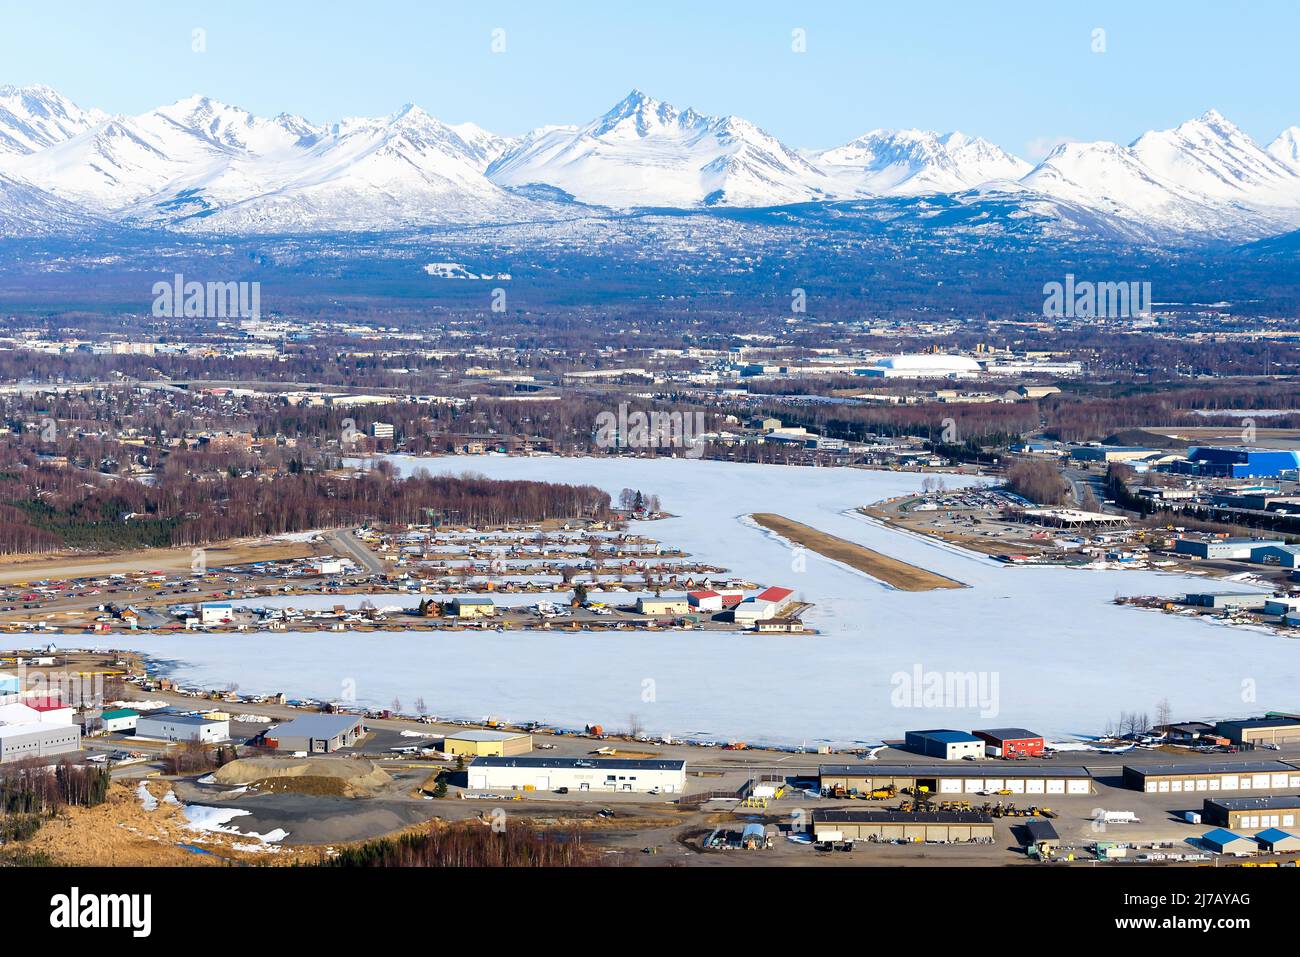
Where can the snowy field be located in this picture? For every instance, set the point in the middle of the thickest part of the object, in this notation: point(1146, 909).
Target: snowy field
point(1049, 650)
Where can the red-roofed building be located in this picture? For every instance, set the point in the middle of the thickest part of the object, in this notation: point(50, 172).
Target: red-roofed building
point(52, 710)
point(769, 603)
point(705, 600)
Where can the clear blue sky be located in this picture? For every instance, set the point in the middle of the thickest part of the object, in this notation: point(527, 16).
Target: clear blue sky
point(1018, 73)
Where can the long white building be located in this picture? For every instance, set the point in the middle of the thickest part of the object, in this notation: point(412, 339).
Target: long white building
point(577, 774)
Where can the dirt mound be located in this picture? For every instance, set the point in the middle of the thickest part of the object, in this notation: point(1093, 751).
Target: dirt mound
point(122, 833)
point(305, 784)
point(355, 778)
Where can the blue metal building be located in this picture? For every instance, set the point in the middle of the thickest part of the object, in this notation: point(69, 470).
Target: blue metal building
point(1238, 462)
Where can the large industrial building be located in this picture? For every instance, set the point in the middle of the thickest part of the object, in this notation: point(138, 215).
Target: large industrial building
point(1011, 742)
point(1228, 600)
point(923, 366)
point(769, 603)
point(37, 728)
point(1237, 462)
point(167, 726)
point(1274, 810)
point(1110, 453)
point(1242, 776)
point(1253, 732)
point(948, 827)
point(577, 774)
point(957, 779)
point(316, 733)
point(37, 740)
point(487, 744)
point(945, 744)
point(1235, 549)
point(1282, 556)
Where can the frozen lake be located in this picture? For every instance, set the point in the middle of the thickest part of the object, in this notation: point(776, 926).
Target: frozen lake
point(1048, 649)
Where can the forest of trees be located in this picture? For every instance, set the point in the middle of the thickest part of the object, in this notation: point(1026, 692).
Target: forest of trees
point(51, 510)
point(29, 787)
point(471, 844)
point(1039, 482)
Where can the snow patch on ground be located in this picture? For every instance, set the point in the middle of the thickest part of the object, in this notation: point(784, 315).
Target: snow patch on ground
point(217, 820)
point(147, 800)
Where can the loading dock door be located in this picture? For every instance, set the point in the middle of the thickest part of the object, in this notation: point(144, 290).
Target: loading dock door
point(1034, 786)
point(950, 785)
point(543, 782)
point(1055, 787)
point(478, 780)
point(1078, 787)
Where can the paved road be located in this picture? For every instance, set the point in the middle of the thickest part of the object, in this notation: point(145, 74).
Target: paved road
point(758, 759)
point(343, 541)
point(1081, 479)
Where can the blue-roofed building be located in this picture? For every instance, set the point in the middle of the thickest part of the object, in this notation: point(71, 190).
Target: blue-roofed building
point(216, 612)
point(945, 743)
point(1223, 841)
point(1277, 841)
point(1237, 462)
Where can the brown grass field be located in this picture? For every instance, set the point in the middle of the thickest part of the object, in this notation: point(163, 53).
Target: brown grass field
point(15, 568)
point(893, 572)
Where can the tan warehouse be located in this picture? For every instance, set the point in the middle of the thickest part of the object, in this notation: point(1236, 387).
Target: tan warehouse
point(1250, 813)
point(1253, 732)
point(488, 744)
point(946, 827)
point(958, 778)
point(1185, 778)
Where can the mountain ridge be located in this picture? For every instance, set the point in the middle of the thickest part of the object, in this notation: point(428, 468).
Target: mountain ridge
point(201, 165)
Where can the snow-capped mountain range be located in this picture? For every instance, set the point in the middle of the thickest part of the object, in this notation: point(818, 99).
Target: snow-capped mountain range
point(202, 166)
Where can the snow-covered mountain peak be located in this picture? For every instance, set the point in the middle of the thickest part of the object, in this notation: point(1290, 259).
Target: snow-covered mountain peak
point(1287, 147)
point(640, 115)
point(35, 117)
point(645, 152)
point(202, 164)
point(1211, 156)
point(233, 128)
point(912, 162)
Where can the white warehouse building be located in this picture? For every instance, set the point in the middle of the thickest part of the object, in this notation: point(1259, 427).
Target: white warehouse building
point(923, 366)
point(577, 774)
point(167, 726)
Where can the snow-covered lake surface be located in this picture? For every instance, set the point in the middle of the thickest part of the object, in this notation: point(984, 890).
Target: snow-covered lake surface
point(1052, 652)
